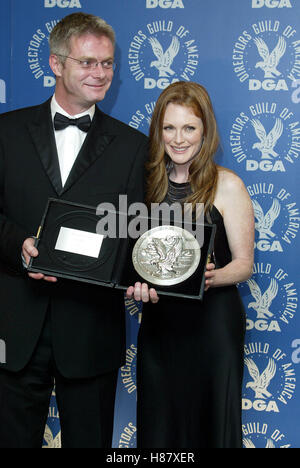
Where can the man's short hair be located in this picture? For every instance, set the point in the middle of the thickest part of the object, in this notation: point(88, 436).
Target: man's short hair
point(76, 25)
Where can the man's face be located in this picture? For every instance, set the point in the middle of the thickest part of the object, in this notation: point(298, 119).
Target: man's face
point(77, 88)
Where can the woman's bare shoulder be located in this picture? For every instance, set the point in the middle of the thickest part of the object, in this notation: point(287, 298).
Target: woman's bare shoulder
point(228, 179)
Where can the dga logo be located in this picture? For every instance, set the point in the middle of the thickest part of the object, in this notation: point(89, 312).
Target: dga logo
point(266, 56)
point(271, 3)
point(265, 138)
point(38, 54)
point(269, 380)
point(2, 92)
point(128, 371)
point(141, 119)
point(163, 53)
point(62, 3)
point(260, 435)
point(270, 298)
point(128, 437)
point(276, 217)
point(164, 3)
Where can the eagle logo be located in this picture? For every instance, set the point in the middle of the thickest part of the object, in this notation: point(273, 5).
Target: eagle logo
point(266, 221)
point(263, 301)
point(268, 141)
point(50, 441)
point(164, 59)
point(261, 381)
point(270, 60)
point(249, 444)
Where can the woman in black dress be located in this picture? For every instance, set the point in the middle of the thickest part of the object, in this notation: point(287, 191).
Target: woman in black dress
point(190, 353)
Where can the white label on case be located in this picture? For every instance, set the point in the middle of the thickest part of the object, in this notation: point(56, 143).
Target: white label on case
point(79, 242)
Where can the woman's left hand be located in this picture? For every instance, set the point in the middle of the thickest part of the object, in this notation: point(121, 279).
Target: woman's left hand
point(209, 275)
point(141, 292)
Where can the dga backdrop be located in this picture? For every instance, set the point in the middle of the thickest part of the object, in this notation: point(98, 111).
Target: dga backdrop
point(247, 54)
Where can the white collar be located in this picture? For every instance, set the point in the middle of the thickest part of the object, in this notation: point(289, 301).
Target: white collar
point(55, 107)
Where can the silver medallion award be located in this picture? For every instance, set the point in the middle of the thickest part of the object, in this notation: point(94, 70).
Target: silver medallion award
point(166, 255)
point(171, 257)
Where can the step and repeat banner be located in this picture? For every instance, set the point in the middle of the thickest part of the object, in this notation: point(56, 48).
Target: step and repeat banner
point(247, 54)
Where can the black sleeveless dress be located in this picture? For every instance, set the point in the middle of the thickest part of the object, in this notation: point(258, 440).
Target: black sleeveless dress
point(190, 363)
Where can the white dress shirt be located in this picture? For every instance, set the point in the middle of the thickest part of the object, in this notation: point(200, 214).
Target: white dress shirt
point(69, 140)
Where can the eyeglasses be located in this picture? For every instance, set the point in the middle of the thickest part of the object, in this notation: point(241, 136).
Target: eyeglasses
point(90, 64)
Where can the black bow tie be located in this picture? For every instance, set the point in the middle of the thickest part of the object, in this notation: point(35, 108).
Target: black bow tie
point(61, 122)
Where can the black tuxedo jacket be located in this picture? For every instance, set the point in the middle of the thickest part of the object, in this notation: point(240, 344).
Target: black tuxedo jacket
point(88, 321)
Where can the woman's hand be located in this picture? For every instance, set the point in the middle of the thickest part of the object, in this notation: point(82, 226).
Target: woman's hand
point(209, 276)
point(141, 292)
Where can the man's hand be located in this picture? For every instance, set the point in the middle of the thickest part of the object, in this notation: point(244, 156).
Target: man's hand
point(28, 250)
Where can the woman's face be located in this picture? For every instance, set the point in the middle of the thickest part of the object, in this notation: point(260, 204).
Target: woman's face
point(182, 134)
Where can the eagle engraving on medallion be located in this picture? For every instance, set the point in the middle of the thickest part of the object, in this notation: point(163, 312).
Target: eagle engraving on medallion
point(166, 255)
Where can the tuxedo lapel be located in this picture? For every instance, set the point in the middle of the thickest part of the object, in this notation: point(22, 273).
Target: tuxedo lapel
point(42, 133)
point(97, 140)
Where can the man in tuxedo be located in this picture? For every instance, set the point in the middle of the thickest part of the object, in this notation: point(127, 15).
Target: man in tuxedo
point(57, 330)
